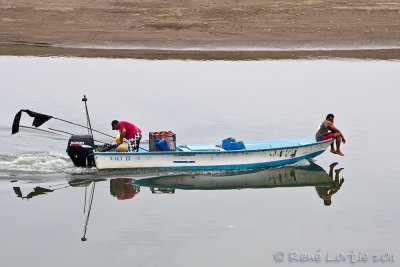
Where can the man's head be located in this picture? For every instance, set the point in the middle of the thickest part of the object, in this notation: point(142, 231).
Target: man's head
point(330, 117)
point(114, 125)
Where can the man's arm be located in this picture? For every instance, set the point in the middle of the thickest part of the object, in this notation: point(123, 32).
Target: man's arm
point(333, 128)
point(122, 136)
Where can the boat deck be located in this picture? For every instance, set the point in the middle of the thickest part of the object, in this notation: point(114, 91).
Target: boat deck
point(252, 145)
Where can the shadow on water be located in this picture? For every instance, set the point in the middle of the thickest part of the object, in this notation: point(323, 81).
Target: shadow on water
point(326, 184)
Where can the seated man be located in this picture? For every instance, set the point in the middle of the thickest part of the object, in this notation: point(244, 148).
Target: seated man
point(324, 134)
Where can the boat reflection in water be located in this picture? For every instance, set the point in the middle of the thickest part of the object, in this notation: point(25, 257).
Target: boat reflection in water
point(326, 184)
point(288, 176)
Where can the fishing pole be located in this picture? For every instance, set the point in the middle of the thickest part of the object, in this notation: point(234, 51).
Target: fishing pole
point(55, 130)
point(60, 131)
point(73, 134)
point(40, 118)
point(70, 122)
point(37, 129)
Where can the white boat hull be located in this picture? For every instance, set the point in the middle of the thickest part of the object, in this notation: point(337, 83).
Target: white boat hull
point(212, 160)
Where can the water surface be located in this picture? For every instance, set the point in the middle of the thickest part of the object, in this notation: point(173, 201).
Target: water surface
point(45, 200)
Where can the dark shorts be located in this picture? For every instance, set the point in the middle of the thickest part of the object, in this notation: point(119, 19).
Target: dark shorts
point(329, 136)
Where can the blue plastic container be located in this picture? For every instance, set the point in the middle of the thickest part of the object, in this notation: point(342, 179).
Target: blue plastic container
point(226, 142)
point(236, 146)
point(162, 144)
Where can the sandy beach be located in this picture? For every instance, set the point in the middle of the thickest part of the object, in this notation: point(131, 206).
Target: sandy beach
point(203, 29)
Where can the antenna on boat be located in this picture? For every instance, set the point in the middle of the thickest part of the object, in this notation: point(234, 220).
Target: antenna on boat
point(89, 125)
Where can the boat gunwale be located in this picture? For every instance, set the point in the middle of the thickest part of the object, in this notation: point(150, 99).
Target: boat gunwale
point(184, 153)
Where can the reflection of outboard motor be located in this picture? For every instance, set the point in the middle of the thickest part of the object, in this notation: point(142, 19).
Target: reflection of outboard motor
point(80, 150)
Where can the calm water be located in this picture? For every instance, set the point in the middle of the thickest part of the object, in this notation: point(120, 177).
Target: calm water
point(45, 201)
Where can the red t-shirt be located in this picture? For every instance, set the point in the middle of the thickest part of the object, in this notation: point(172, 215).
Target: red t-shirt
point(130, 128)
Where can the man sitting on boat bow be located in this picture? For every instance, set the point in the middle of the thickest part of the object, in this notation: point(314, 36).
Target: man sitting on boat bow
point(324, 134)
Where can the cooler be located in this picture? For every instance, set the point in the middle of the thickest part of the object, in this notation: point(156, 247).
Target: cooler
point(162, 141)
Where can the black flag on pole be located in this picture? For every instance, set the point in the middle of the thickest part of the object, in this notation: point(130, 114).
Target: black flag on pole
point(39, 119)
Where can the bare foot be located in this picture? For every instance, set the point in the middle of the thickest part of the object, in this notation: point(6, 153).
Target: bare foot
point(339, 153)
point(338, 170)
point(333, 151)
point(333, 164)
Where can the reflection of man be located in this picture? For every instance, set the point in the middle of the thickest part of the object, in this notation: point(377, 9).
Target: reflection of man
point(326, 192)
point(123, 188)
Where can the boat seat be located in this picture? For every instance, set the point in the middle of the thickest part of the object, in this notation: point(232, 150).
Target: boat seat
point(277, 143)
point(182, 148)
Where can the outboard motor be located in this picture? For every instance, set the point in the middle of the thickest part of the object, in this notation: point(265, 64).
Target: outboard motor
point(80, 149)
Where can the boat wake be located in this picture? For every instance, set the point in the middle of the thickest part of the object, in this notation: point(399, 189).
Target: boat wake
point(37, 163)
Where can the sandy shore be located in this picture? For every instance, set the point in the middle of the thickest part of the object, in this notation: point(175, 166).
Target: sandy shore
point(204, 29)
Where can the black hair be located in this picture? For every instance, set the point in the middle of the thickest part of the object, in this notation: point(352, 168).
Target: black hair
point(114, 122)
point(330, 116)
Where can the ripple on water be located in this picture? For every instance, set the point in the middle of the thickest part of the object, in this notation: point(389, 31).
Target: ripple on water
point(36, 163)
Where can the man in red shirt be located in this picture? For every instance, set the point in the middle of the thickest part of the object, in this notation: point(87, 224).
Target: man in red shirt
point(130, 132)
